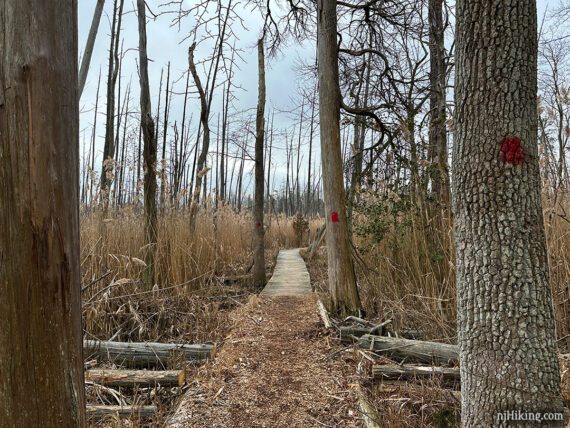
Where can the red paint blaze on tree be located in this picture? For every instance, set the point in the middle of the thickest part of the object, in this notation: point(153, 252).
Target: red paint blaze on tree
point(334, 217)
point(258, 225)
point(512, 152)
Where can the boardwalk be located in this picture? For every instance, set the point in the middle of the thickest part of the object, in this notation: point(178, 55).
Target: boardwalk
point(277, 368)
point(290, 277)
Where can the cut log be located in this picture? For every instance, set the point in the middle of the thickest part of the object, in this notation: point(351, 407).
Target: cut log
point(102, 412)
point(412, 350)
point(129, 378)
point(147, 354)
point(405, 389)
point(448, 376)
point(370, 416)
point(324, 314)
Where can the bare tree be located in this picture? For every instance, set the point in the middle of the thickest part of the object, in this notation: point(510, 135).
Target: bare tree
point(437, 132)
point(107, 169)
point(342, 279)
point(259, 230)
point(41, 338)
point(149, 152)
point(508, 354)
point(88, 53)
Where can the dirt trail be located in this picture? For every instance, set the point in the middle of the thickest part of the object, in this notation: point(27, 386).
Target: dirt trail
point(278, 368)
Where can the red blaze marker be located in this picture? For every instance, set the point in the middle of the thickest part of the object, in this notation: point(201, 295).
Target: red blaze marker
point(258, 225)
point(334, 217)
point(511, 151)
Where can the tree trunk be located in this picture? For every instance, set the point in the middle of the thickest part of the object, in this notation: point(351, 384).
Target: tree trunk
point(88, 53)
point(177, 171)
point(40, 340)
point(505, 316)
point(204, 120)
point(311, 135)
point(109, 148)
point(259, 278)
point(149, 153)
point(342, 279)
point(437, 133)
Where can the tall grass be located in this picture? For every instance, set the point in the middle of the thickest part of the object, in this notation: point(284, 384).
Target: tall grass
point(406, 269)
point(192, 295)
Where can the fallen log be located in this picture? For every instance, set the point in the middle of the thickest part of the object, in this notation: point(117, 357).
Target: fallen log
point(448, 376)
point(147, 354)
point(370, 416)
point(102, 412)
point(324, 314)
point(413, 350)
point(129, 378)
point(405, 389)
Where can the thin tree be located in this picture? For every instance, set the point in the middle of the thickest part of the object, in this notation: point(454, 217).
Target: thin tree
point(507, 343)
point(41, 337)
point(149, 152)
point(342, 278)
point(112, 75)
point(88, 53)
point(259, 277)
point(437, 132)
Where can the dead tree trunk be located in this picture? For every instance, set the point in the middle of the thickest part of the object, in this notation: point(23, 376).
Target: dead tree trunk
point(507, 343)
point(40, 339)
point(342, 279)
point(201, 161)
point(109, 148)
point(259, 277)
point(311, 135)
point(149, 153)
point(88, 53)
point(437, 132)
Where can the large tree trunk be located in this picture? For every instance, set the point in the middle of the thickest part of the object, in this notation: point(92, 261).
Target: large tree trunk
point(88, 53)
point(40, 340)
point(149, 153)
point(259, 278)
point(506, 328)
point(342, 279)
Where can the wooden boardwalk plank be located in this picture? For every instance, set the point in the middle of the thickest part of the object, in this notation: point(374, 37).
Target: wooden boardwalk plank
point(290, 277)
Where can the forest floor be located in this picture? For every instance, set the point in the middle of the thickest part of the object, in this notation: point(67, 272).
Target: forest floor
point(277, 368)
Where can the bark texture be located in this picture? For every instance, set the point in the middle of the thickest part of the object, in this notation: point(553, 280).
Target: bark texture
point(40, 336)
point(259, 277)
point(506, 327)
point(342, 280)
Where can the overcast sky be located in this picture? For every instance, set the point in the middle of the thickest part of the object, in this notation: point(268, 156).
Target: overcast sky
point(166, 43)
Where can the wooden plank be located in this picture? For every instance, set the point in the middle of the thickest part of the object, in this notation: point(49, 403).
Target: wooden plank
point(146, 353)
point(412, 350)
point(129, 378)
